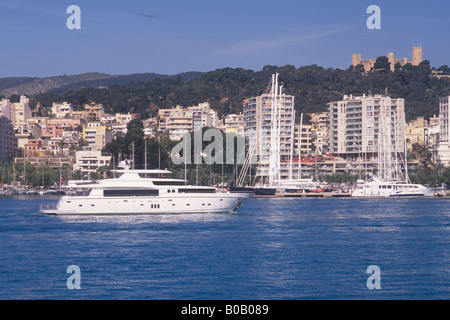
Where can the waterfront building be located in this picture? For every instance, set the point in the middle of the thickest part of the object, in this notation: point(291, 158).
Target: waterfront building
point(257, 112)
point(443, 151)
point(357, 124)
point(320, 122)
point(303, 144)
point(47, 160)
point(259, 123)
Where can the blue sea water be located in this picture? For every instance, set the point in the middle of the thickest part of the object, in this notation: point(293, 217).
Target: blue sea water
point(271, 248)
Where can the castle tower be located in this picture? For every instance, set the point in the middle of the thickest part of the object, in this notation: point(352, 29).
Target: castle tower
point(391, 58)
point(417, 56)
point(356, 59)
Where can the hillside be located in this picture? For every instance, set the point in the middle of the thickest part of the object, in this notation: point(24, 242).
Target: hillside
point(34, 86)
point(225, 89)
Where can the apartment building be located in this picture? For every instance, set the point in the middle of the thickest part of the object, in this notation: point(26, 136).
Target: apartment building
point(258, 120)
point(8, 141)
point(97, 135)
point(257, 112)
point(358, 123)
point(7, 110)
point(233, 123)
point(61, 110)
point(22, 113)
point(443, 151)
point(178, 121)
point(90, 159)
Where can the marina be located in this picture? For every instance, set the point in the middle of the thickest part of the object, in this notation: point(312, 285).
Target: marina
point(224, 158)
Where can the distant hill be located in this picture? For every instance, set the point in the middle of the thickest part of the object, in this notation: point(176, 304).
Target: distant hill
point(225, 89)
point(33, 86)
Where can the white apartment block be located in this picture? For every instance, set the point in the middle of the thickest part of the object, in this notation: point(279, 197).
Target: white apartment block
point(178, 121)
point(17, 112)
point(357, 123)
point(204, 116)
point(257, 113)
point(61, 110)
point(90, 159)
point(443, 152)
point(234, 123)
point(7, 110)
point(303, 142)
point(22, 113)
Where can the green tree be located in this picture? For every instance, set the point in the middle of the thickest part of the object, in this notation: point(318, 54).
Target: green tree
point(382, 64)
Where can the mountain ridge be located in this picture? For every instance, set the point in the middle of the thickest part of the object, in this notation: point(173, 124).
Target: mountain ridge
point(33, 85)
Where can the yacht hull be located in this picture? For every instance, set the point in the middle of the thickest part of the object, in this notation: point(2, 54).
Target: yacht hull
point(210, 203)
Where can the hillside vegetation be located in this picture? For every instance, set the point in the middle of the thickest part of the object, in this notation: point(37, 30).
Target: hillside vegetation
point(225, 89)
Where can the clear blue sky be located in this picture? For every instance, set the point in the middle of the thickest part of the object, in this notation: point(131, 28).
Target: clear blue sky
point(119, 37)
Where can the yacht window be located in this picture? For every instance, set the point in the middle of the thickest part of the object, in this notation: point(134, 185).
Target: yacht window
point(130, 192)
point(194, 190)
point(169, 183)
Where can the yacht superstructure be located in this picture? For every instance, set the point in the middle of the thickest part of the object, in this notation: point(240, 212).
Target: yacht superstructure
point(379, 188)
point(131, 193)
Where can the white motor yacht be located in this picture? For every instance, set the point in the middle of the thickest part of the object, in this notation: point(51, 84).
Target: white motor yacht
point(379, 188)
point(133, 193)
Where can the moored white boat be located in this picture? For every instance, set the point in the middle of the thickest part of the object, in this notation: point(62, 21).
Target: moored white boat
point(379, 188)
point(133, 194)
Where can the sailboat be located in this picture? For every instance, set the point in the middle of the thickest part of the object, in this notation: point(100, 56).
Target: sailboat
point(392, 178)
point(268, 178)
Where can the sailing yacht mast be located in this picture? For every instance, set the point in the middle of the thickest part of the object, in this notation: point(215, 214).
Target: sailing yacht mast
point(300, 147)
point(274, 157)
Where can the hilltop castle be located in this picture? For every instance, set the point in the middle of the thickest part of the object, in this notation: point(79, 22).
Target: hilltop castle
point(417, 57)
